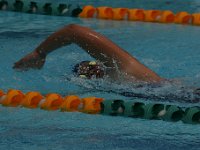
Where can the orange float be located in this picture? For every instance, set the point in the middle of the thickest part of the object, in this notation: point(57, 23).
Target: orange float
point(71, 103)
point(167, 16)
point(183, 18)
point(32, 99)
point(91, 105)
point(1, 93)
point(196, 19)
point(87, 12)
point(2, 96)
point(152, 15)
point(104, 12)
point(119, 13)
point(136, 15)
point(52, 101)
point(13, 98)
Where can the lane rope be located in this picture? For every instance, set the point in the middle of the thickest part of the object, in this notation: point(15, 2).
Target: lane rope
point(94, 105)
point(102, 12)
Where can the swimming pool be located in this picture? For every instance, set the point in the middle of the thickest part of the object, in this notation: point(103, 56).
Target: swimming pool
point(172, 54)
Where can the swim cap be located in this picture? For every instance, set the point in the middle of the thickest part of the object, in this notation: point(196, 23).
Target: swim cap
point(88, 69)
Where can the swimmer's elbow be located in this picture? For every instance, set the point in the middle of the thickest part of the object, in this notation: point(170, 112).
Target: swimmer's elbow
point(72, 26)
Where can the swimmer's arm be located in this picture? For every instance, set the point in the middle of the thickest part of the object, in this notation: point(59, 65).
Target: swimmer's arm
point(98, 46)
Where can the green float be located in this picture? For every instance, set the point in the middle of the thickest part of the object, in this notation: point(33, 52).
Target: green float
point(173, 113)
point(112, 107)
point(45, 8)
point(151, 111)
point(192, 115)
point(134, 109)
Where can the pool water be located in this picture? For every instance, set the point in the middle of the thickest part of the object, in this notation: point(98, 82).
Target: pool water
point(172, 51)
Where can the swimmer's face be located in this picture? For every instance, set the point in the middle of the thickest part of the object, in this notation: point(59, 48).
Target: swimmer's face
point(89, 69)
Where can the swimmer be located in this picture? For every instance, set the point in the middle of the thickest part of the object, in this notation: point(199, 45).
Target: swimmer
point(106, 52)
point(112, 60)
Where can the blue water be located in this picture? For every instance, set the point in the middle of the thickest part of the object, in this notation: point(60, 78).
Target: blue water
point(172, 51)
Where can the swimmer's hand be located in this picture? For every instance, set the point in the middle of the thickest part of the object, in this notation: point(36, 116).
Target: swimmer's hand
point(30, 61)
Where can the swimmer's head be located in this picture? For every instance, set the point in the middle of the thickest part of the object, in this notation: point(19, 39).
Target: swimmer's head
point(89, 69)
